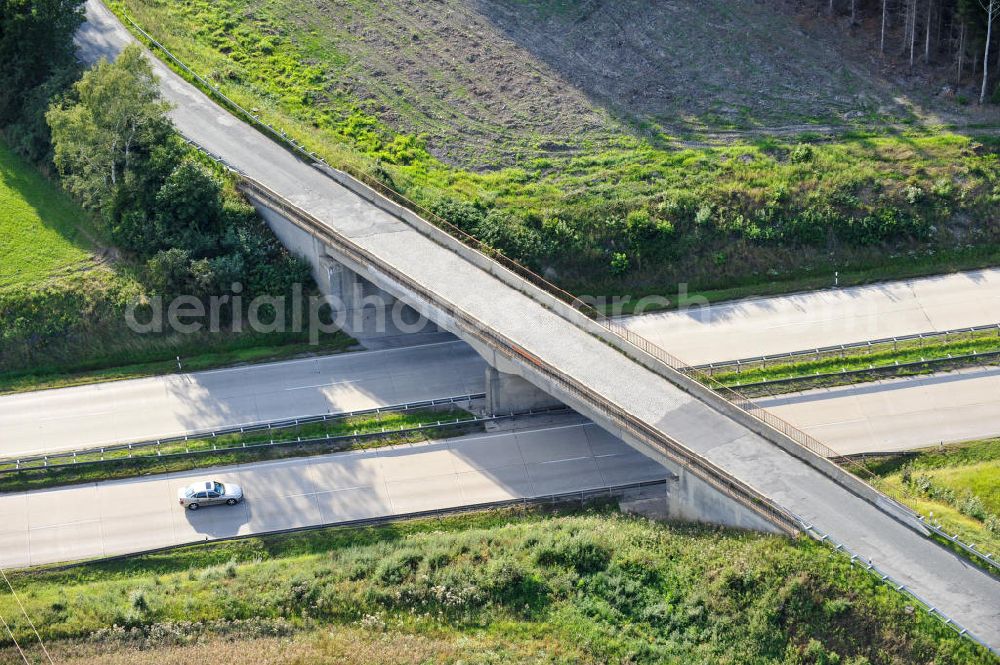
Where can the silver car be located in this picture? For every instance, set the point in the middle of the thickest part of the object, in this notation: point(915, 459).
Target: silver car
point(209, 493)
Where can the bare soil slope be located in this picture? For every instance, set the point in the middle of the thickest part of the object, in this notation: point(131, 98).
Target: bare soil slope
point(489, 80)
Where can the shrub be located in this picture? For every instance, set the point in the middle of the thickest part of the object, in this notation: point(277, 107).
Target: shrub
point(619, 263)
point(188, 210)
point(801, 153)
point(464, 215)
point(169, 272)
point(582, 554)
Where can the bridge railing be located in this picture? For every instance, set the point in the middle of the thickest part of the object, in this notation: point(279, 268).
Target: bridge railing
point(806, 442)
point(673, 450)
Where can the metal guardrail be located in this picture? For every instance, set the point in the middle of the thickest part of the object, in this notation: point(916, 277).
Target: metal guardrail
point(298, 441)
point(870, 566)
point(988, 558)
point(21, 463)
point(841, 348)
point(983, 357)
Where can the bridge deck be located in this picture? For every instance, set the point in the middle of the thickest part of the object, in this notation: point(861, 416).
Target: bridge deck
point(957, 588)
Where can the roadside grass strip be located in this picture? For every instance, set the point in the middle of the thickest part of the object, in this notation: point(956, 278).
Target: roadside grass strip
point(833, 367)
point(956, 488)
point(338, 433)
point(561, 584)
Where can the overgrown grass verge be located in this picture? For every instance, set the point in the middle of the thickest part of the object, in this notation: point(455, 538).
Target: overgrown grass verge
point(881, 359)
point(518, 585)
point(209, 452)
point(956, 486)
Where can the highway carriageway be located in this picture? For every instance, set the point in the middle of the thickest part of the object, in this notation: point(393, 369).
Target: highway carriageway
point(614, 377)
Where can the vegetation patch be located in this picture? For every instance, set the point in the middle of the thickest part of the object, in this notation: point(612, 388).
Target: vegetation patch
point(174, 219)
point(557, 586)
point(602, 202)
point(956, 486)
point(299, 441)
point(43, 233)
point(880, 359)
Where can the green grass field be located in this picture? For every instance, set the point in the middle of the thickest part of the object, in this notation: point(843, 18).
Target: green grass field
point(957, 486)
point(535, 586)
point(43, 233)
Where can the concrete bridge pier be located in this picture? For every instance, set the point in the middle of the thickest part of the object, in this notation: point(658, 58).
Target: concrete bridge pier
point(687, 498)
point(509, 393)
point(510, 385)
point(361, 308)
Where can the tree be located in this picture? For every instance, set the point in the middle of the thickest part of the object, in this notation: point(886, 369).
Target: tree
point(991, 7)
point(169, 272)
point(36, 41)
point(188, 207)
point(885, 9)
point(111, 129)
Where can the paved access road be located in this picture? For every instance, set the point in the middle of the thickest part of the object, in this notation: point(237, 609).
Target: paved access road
point(762, 326)
point(897, 414)
point(456, 284)
point(126, 516)
point(104, 413)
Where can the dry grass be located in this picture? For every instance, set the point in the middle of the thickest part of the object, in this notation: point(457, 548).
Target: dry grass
point(344, 645)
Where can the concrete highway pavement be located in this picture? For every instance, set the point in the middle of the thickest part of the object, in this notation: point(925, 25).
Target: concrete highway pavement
point(763, 326)
point(119, 517)
point(897, 414)
point(71, 418)
point(452, 284)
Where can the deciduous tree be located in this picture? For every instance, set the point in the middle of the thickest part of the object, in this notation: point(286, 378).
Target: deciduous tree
point(112, 127)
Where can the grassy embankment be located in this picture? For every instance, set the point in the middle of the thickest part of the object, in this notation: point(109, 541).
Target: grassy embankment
point(51, 266)
point(957, 486)
point(171, 457)
point(760, 216)
point(876, 356)
point(551, 586)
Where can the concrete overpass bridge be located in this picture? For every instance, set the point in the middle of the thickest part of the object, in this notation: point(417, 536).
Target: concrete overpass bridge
point(734, 465)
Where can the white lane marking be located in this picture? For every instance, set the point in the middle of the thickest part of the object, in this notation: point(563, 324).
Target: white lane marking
point(95, 520)
point(77, 416)
point(319, 385)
